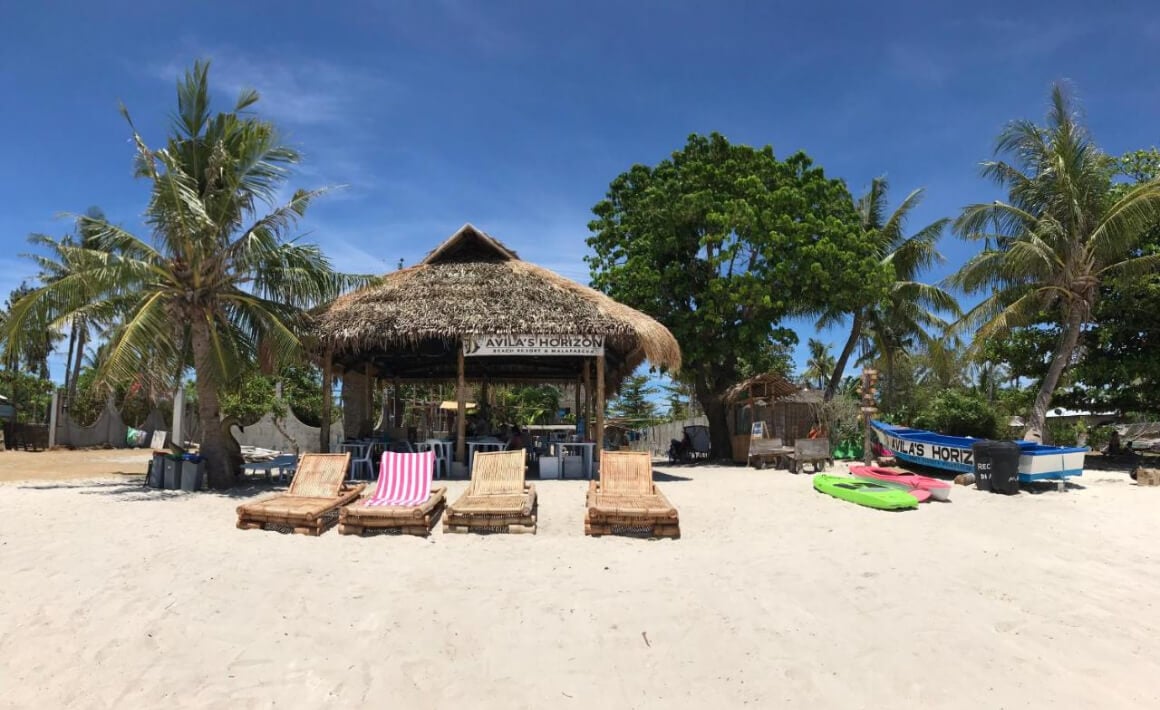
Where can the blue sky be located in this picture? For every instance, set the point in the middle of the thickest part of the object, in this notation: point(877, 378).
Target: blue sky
point(516, 115)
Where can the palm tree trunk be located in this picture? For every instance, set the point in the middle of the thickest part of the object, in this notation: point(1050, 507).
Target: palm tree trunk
point(72, 341)
point(840, 365)
point(888, 391)
point(1063, 352)
point(213, 448)
point(82, 340)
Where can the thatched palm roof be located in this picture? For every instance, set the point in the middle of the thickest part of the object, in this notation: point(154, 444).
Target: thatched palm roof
point(769, 385)
point(410, 324)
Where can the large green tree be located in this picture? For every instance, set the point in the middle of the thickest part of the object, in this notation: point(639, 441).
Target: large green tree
point(1062, 232)
point(721, 243)
point(220, 277)
point(910, 310)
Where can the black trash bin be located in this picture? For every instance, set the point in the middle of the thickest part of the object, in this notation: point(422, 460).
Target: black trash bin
point(996, 466)
point(156, 477)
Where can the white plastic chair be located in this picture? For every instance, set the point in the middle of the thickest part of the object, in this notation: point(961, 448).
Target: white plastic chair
point(442, 451)
point(360, 460)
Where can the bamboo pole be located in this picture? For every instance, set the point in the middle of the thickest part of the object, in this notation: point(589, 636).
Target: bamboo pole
point(599, 438)
point(327, 401)
point(461, 419)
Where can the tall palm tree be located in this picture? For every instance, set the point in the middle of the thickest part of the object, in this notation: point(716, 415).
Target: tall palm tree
point(219, 277)
point(820, 364)
point(910, 307)
point(59, 259)
point(1063, 230)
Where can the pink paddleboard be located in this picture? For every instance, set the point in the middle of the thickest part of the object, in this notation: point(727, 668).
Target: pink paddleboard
point(933, 487)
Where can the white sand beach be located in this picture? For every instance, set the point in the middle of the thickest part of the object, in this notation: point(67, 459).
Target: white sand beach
point(113, 595)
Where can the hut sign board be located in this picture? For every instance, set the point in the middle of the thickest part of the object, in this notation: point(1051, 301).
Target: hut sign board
point(571, 345)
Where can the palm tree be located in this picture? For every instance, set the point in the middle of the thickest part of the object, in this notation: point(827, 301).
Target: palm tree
point(910, 307)
point(219, 280)
point(62, 260)
point(1064, 229)
point(820, 364)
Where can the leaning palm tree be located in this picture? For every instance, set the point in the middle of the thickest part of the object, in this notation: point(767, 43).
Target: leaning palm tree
point(820, 364)
point(1063, 230)
point(910, 308)
point(219, 279)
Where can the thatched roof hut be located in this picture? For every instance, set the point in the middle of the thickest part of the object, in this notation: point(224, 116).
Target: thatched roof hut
point(411, 324)
point(787, 410)
point(455, 315)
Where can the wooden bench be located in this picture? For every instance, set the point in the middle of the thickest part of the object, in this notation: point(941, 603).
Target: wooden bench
point(763, 451)
point(814, 451)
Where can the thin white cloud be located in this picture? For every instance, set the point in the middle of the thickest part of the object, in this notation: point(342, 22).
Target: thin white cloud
point(295, 90)
point(917, 65)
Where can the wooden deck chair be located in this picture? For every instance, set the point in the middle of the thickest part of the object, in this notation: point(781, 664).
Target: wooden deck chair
point(815, 451)
point(497, 499)
point(403, 500)
point(311, 505)
point(626, 501)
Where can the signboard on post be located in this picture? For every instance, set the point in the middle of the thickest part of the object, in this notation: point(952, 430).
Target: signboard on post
point(542, 345)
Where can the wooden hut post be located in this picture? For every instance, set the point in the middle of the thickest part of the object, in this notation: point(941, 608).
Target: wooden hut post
point(327, 401)
point(599, 408)
point(588, 398)
point(367, 393)
point(587, 413)
point(576, 409)
point(461, 419)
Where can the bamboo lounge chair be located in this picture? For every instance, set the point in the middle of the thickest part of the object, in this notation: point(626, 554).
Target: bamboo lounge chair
point(311, 505)
point(403, 500)
point(626, 501)
point(497, 499)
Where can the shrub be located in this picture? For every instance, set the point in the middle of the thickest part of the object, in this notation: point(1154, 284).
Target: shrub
point(960, 414)
point(1098, 436)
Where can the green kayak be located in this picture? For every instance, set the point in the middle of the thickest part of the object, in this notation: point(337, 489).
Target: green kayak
point(863, 492)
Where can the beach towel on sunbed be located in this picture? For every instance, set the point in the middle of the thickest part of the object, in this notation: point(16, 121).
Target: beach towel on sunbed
point(404, 479)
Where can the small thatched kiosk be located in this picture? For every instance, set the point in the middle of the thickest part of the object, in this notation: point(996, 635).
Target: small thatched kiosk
point(788, 412)
point(472, 310)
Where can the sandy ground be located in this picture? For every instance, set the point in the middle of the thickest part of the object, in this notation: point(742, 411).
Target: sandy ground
point(776, 596)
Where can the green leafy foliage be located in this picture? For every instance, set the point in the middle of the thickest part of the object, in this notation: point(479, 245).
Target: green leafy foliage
point(28, 393)
point(222, 284)
point(1064, 231)
point(720, 243)
point(890, 325)
point(633, 403)
point(249, 399)
point(535, 404)
point(960, 413)
point(1119, 368)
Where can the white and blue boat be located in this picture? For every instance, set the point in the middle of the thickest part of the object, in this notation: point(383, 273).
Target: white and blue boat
point(1037, 462)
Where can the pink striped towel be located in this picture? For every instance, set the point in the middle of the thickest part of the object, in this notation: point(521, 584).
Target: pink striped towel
point(404, 479)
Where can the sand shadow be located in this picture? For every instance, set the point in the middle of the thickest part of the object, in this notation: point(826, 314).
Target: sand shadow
point(1036, 488)
point(138, 491)
point(663, 477)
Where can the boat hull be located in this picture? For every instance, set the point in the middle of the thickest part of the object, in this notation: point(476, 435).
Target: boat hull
point(871, 494)
point(934, 488)
point(953, 453)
